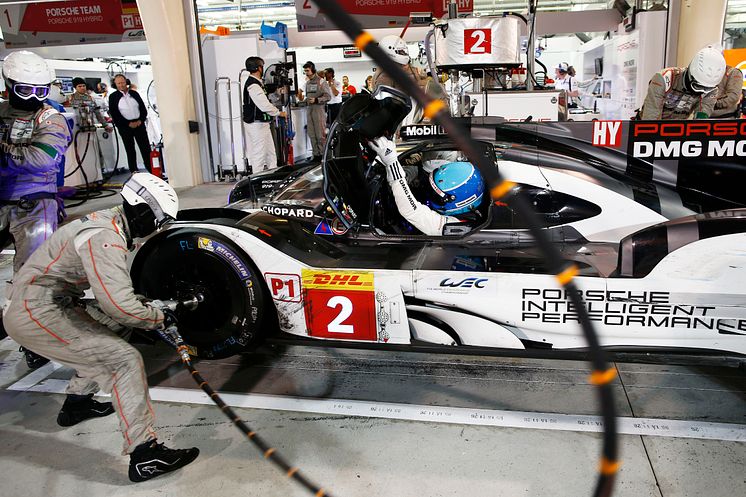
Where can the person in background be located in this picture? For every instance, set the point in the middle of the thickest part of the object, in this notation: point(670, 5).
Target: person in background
point(102, 89)
point(728, 104)
point(128, 112)
point(316, 95)
point(686, 92)
point(397, 50)
point(33, 138)
point(368, 85)
point(84, 104)
point(258, 112)
point(335, 102)
point(45, 313)
point(565, 81)
point(347, 89)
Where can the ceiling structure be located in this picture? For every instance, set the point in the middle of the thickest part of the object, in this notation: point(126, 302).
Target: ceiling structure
point(249, 14)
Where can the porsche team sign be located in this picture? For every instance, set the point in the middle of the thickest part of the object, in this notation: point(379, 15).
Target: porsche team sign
point(373, 13)
point(40, 24)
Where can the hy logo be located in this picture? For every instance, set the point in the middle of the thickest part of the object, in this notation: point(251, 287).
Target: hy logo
point(465, 283)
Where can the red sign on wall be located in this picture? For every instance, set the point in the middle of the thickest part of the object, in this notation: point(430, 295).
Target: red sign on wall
point(70, 23)
point(373, 13)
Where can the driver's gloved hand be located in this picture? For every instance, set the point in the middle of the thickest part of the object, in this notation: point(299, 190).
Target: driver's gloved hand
point(386, 151)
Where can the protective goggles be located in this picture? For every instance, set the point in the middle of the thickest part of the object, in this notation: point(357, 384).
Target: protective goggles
point(26, 91)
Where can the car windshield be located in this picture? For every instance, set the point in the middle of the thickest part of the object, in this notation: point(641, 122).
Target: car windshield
point(305, 187)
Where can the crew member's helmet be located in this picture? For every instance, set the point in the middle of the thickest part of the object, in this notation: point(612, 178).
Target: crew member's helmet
point(395, 48)
point(458, 188)
point(705, 71)
point(27, 78)
point(149, 202)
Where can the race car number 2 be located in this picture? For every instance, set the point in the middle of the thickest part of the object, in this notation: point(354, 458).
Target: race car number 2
point(340, 304)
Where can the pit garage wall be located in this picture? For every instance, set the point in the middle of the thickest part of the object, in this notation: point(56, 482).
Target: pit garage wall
point(225, 57)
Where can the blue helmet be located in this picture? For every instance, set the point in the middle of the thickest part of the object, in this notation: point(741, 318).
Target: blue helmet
point(458, 188)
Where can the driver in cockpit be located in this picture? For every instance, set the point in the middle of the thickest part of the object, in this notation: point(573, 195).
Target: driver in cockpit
point(457, 192)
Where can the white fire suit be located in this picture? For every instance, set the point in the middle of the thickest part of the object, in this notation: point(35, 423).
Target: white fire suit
point(668, 98)
point(729, 94)
point(33, 143)
point(44, 315)
point(317, 89)
point(417, 214)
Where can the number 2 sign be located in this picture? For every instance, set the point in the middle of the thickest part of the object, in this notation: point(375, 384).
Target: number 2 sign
point(340, 304)
point(477, 41)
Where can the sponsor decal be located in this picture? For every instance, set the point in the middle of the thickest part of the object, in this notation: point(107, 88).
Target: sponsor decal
point(422, 130)
point(464, 283)
point(607, 134)
point(331, 280)
point(323, 228)
point(284, 287)
point(227, 255)
point(687, 139)
point(285, 211)
point(338, 227)
point(340, 305)
point(625, 308)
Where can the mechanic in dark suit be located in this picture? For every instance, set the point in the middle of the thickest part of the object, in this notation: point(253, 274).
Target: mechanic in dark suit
point(128, 112)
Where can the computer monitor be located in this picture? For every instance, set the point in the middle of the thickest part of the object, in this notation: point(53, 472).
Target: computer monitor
point(599, 63)
point(92, 82)
point(67, 84)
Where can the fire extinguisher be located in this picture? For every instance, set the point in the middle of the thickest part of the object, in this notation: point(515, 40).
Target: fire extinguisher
point(155, 163)
point(156, 160)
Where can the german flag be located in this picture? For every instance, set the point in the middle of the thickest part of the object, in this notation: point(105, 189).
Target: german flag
point(129, 7)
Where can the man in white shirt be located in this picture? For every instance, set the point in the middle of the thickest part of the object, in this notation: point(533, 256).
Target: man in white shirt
point(566, 82)
point(336, 101)
point(258, 112)
point(128, 112)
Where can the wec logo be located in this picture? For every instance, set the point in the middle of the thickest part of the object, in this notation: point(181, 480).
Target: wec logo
point(465, 283)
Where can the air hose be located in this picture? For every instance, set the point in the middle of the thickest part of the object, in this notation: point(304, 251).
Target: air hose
point(172, 337)
point(602, 374)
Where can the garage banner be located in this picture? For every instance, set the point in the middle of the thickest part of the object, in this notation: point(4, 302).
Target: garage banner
point(41, 24)
point(374, 13)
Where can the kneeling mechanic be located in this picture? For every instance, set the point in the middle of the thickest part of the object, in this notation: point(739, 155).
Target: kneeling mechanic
point(44, 315)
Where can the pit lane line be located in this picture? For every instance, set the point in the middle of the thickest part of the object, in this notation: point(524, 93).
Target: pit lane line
point(38, 381)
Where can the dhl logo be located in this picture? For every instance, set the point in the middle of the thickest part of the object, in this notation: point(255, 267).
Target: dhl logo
point(330, 280)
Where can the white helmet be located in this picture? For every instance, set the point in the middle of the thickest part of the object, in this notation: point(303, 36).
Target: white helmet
point(706, 69)
point(395, 48)
point(55, 93)
point(27, 67)
point(148, 203)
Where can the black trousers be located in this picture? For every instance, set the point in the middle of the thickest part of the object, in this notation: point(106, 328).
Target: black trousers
point(331, 113)
point(129, 136)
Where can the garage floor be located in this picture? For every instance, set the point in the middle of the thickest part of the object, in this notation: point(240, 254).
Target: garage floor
point(373, 423)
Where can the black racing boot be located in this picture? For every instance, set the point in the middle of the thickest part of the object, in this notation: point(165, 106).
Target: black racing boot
point(33, 360)
point(78, 408)
point(151, 459)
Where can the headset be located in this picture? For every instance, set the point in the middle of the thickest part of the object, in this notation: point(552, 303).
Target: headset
point(253, 64)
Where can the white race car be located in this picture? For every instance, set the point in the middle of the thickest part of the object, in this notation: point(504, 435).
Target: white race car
point(328, 259)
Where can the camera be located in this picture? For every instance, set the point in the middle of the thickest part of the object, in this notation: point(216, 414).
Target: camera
point(278, 75)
